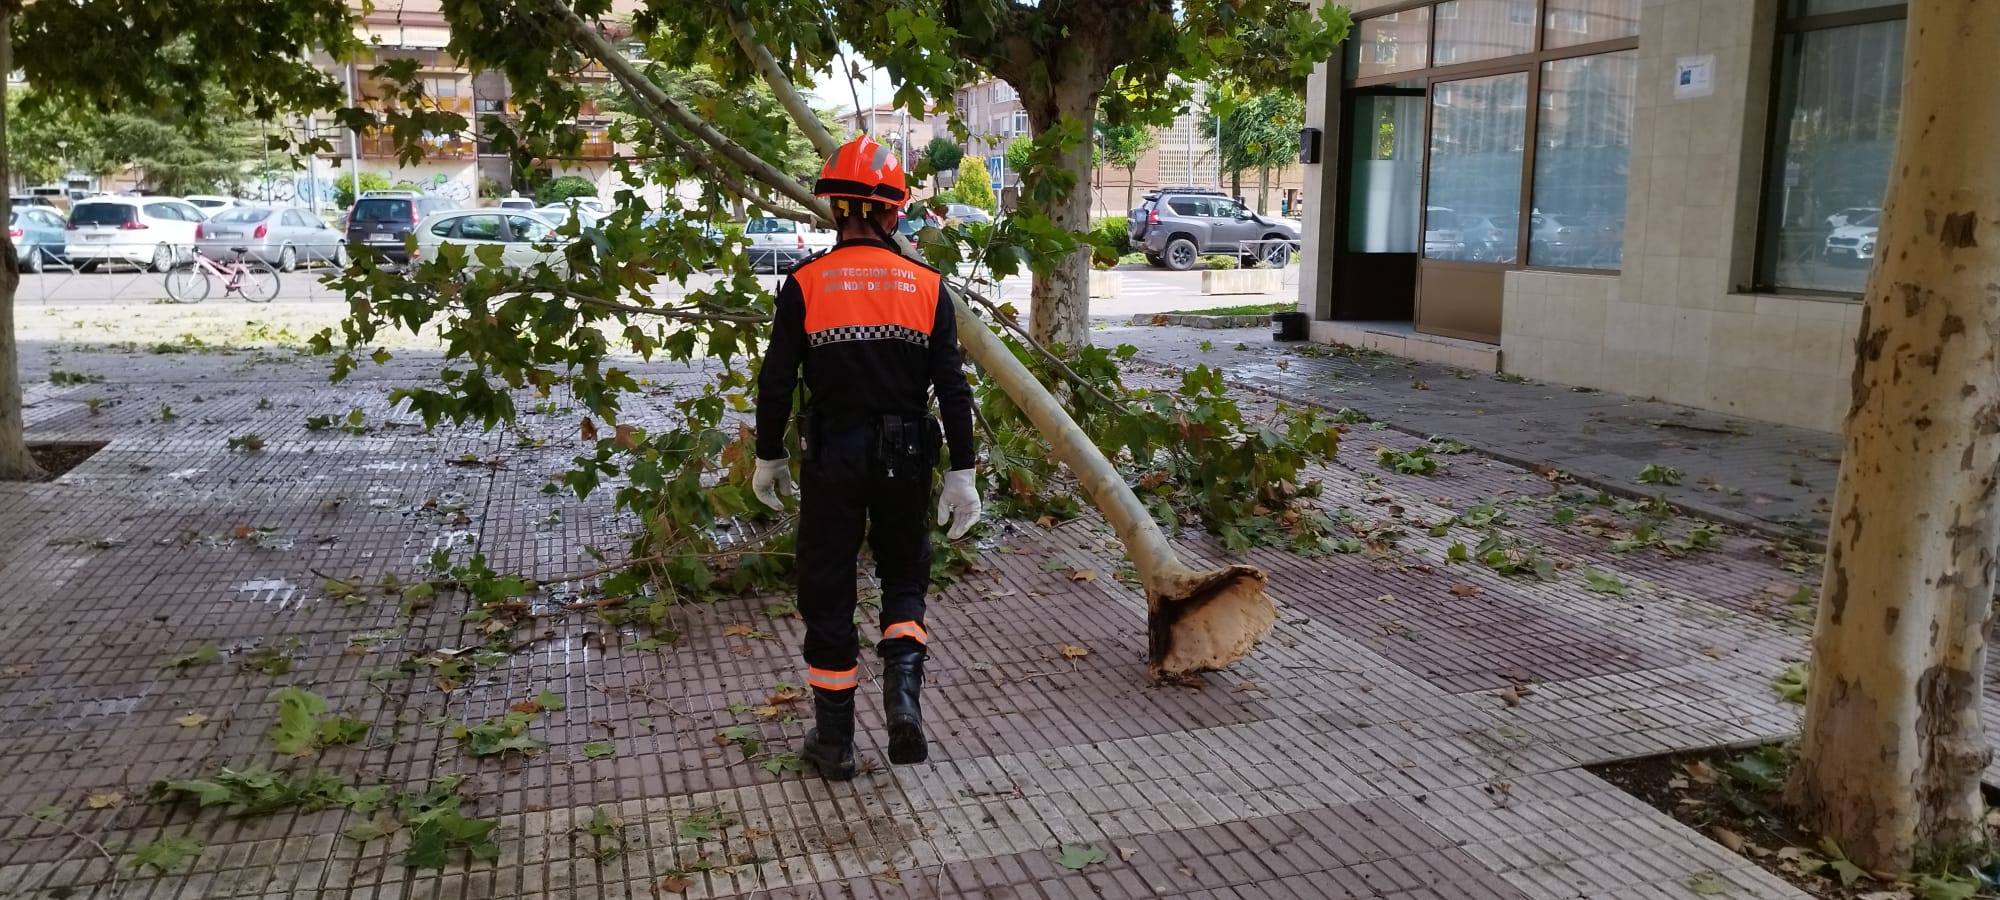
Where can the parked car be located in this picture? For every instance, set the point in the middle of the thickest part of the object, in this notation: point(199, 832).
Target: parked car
point(1177, 226)
point(157, 232)
point(280, 236)
point(209, 203)
point(781, 244)
point(524, 237)
point(1565, 240)
point(381, 219)
point(966, 213)
point(48, 200)
point(560, 213)
point(38, 236)
point(1849, 216)
point(1484, 238)
point(516, 203)
point(709, 230)
point(1442, 237)
point(1855, 240)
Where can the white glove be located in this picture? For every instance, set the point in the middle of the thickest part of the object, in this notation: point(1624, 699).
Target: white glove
point(958, 503)
point(773, 478)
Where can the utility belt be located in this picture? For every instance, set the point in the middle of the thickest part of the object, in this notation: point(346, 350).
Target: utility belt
point(898, 442)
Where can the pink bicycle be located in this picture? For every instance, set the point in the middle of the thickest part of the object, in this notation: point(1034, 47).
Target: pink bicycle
point(254, 279)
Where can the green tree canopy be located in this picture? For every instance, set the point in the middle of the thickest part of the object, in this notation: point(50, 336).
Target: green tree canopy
point(942, 154)
point(565, 187)
point(975, 186)
point(344, 189)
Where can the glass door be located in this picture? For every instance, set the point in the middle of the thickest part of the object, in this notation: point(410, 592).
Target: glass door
point(1377, 275)
point(1472, 203)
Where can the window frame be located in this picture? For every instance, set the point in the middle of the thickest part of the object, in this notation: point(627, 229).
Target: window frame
point(1530, 62)
point(1789, 27)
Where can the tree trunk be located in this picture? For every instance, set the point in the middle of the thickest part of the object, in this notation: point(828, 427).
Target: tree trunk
point(16, 463)
point(1236, 184)
point(1131, 181)
point(1060, 309)
point(1892, 749)
point(1264, 190)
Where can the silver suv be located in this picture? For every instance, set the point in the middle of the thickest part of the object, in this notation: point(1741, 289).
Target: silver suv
point(1176, 227)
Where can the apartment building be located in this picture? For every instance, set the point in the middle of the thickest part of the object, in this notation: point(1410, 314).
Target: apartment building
point(1665, 198)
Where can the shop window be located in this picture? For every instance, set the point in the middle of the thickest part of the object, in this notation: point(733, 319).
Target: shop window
point(1569, 23)
point(1583, 142)
point(1398, 42)
point(1833, 139)
point(1476, 145)
point(1484, 29)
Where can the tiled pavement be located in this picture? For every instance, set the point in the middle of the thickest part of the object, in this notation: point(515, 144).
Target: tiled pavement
point(1772, 477)
point(1367, 748)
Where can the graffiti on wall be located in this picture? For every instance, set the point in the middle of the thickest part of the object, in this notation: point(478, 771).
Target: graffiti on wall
point(289, 189)
point(438, 186)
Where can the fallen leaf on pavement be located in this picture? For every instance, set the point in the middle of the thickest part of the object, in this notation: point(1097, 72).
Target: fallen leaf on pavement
point(1701, 772)
point(1714, 652)
point(1511, 696)
point(191, 720)
point(1075, 857)
point(1243, 686)
point(1125, 853)
point(738, 631)
point(1465, 590)
point(103, 799)
point(1083, 574)
point(526, 706)
point(766, 712)
point(672, 884)
point(752, 834)
point(1727, 838)
point(1073, 651)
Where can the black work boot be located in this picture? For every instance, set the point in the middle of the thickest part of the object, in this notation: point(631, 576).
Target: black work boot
point(830, 743)
point(902, 687)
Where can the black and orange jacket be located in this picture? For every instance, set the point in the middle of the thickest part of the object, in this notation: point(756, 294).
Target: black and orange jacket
point(876, 334)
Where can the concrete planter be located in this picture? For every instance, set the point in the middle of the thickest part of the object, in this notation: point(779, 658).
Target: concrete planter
point(1242, 281)
point(1104, 284)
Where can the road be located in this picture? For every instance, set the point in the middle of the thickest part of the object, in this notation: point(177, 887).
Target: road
point(1141, 290)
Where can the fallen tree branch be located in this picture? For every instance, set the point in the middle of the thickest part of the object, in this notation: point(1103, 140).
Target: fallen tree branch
point(1047, 355)
point(780, 84)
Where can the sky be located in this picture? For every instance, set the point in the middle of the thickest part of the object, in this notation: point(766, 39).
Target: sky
point(832, 89)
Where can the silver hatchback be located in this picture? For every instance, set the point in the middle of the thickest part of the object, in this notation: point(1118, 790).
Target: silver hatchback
point(281, 236)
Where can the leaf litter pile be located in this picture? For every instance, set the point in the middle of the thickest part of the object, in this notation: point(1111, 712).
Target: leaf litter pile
point(1733, 798)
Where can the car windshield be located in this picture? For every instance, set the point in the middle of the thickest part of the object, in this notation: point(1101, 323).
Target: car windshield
point(381, 211)
point(240, 216)
point(103, 214)
point(1866, 220)
point(771, 225)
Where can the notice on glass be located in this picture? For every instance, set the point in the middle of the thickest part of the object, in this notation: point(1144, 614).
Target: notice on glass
point(1694, 76)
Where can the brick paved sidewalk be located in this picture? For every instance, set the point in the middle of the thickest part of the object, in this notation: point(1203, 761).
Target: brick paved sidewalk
point(1773, 477)
point(1367, 749)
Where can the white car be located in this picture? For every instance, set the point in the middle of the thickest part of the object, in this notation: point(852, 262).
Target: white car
point(524, 237)
point(515, 203)
point(158, 232)
point(1856, 239)
point(779, 245)
point(209, 203)
point(560, 214)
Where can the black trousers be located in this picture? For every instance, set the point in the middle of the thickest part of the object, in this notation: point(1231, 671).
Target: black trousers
point(846, 495)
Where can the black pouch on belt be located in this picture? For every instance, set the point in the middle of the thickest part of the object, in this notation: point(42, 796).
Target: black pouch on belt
point(900, 444)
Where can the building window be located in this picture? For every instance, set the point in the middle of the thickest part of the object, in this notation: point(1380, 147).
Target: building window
point(1397, 42)
point(1020, 121)
point(1583, 143)
point(1484, 29)
point(1003, 92)
point(1476, 136)
point(1833, 136)
point(1522, 12)
point(1573, 22)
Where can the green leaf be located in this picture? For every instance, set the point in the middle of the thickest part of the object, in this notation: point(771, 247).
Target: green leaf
point(1075, 857)
point(1942, 887)
point(597, 750)
point(375, 829)
point(1457, 553)
point(548, 701)
point(784, 762)
point(1658, 474)
point(297, 726)
point(167, 853)
point(341, 731)
point(1601, 582)
point(1708, 884)
point(268, 661)
point(205, 654)
point(1790, 684)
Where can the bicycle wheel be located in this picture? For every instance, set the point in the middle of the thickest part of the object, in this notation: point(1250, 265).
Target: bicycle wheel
point(257, 282)
point(188, 284)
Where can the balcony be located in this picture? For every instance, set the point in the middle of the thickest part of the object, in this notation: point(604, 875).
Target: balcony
point(382, 146)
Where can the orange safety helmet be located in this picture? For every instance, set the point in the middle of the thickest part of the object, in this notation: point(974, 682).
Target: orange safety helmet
point(863, 170)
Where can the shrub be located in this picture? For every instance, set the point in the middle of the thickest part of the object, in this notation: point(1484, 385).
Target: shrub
point(564, 188)
point(344, 192)
point(490, 188)
point(1111, 235)
point(1218, 262)
point(974, 188)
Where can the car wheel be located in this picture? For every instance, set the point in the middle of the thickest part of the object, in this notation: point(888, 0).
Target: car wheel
point(34, 261)
point(1277, 256)
point(163, 258)
point(1155, 260)
point(1182, 255)
point(340, 256)
point(288, 259)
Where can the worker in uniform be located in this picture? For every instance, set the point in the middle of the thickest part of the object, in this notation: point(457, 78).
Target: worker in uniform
point(875, 334)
